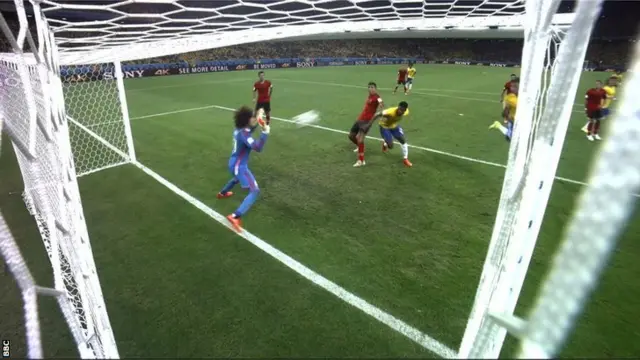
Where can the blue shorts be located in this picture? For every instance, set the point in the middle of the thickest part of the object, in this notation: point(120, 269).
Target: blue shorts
point(604, 112)
point(245, 177)
point(409, 81)
point(389, 134)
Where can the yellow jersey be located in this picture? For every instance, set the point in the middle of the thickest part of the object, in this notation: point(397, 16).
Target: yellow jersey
point(411, 72)
point(511, 101)
point(611, 94)
point(390, 118)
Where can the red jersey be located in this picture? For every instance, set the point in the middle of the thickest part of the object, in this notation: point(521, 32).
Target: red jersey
point(507, 87)
point(594, 98)
point(264, 89)
point(370, 107)
point(402, 74)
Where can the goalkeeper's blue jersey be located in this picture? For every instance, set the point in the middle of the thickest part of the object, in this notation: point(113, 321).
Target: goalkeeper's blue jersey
point(243, 144)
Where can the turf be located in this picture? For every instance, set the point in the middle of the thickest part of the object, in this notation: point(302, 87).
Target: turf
point(410, 241)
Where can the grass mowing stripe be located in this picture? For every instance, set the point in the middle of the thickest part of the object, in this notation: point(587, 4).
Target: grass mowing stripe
point(435, 151)
point(412, 92)
point(398, 325)
point(401, 327)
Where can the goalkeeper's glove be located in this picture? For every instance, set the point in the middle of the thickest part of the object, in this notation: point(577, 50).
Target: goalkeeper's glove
point(265, 129)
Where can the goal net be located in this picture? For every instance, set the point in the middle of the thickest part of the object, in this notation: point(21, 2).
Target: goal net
point(67, 116)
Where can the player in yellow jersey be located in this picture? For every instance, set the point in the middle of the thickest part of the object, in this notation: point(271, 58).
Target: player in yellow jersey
point(509, 112)
point(610, 90)
point(411, 73)
point(388, 120)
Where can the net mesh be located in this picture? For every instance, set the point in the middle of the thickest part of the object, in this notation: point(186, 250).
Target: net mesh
point(125, 22)
point(601, 215)
point(18, 267)
point(93, 109)
point(38, 129)
point(533, 162)
point(130, 30)
point(94, 119)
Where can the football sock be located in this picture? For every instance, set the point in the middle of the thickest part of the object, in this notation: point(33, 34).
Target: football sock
point(502, 129)
point(268, 119)
point(405, 150)
point(233, 182)
point(590, 128)
point(361, 151)
point(596, 127)
point(509, 129)
point(247, 203)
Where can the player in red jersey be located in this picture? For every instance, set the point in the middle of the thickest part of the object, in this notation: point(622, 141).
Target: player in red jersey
point(506, 90)
point(594, 99)
point(360, 128)
point(262, 90)
point(402, 80)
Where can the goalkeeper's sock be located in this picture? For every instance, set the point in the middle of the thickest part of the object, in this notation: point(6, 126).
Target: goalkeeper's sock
point(233, 182)
point(361, 151)
point(405, 150)
point(247, 203)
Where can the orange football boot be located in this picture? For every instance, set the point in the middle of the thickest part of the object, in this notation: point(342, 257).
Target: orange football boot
point(407, 163)
point(225, 195)
point(235, 223)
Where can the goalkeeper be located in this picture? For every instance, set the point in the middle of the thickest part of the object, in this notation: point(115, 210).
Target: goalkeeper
point(243, 144)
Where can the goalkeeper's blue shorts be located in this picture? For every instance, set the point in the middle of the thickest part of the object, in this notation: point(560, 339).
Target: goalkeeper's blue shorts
point(245, 177)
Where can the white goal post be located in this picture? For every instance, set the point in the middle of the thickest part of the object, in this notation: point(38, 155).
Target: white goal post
point(67, 117)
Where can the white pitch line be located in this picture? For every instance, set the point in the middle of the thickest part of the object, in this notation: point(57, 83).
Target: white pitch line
point(413, 92)
point(398, 325)
point(435, 151)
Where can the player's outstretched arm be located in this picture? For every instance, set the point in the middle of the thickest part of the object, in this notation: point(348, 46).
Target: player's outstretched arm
point(378, 116)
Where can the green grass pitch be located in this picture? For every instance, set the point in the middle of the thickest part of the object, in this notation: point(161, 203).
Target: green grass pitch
point(409, 241)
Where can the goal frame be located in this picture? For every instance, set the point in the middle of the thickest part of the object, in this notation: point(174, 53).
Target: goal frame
point(504, 27)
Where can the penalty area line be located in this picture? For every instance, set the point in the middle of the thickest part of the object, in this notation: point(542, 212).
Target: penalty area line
point(398, 325)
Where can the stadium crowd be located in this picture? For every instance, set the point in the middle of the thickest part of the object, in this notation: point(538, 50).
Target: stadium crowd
point(606, 52)
point(609, 53)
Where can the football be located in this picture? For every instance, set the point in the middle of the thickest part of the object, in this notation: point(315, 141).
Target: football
point(307, 118)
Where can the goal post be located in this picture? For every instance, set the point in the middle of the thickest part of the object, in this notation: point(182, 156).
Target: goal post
point(33, 112)
point(533, 160)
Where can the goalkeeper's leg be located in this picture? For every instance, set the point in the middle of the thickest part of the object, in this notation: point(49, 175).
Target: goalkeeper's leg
point(247, 181)
point(226, 190)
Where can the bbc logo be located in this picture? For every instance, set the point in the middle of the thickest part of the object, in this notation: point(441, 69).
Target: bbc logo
point(6, 348)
